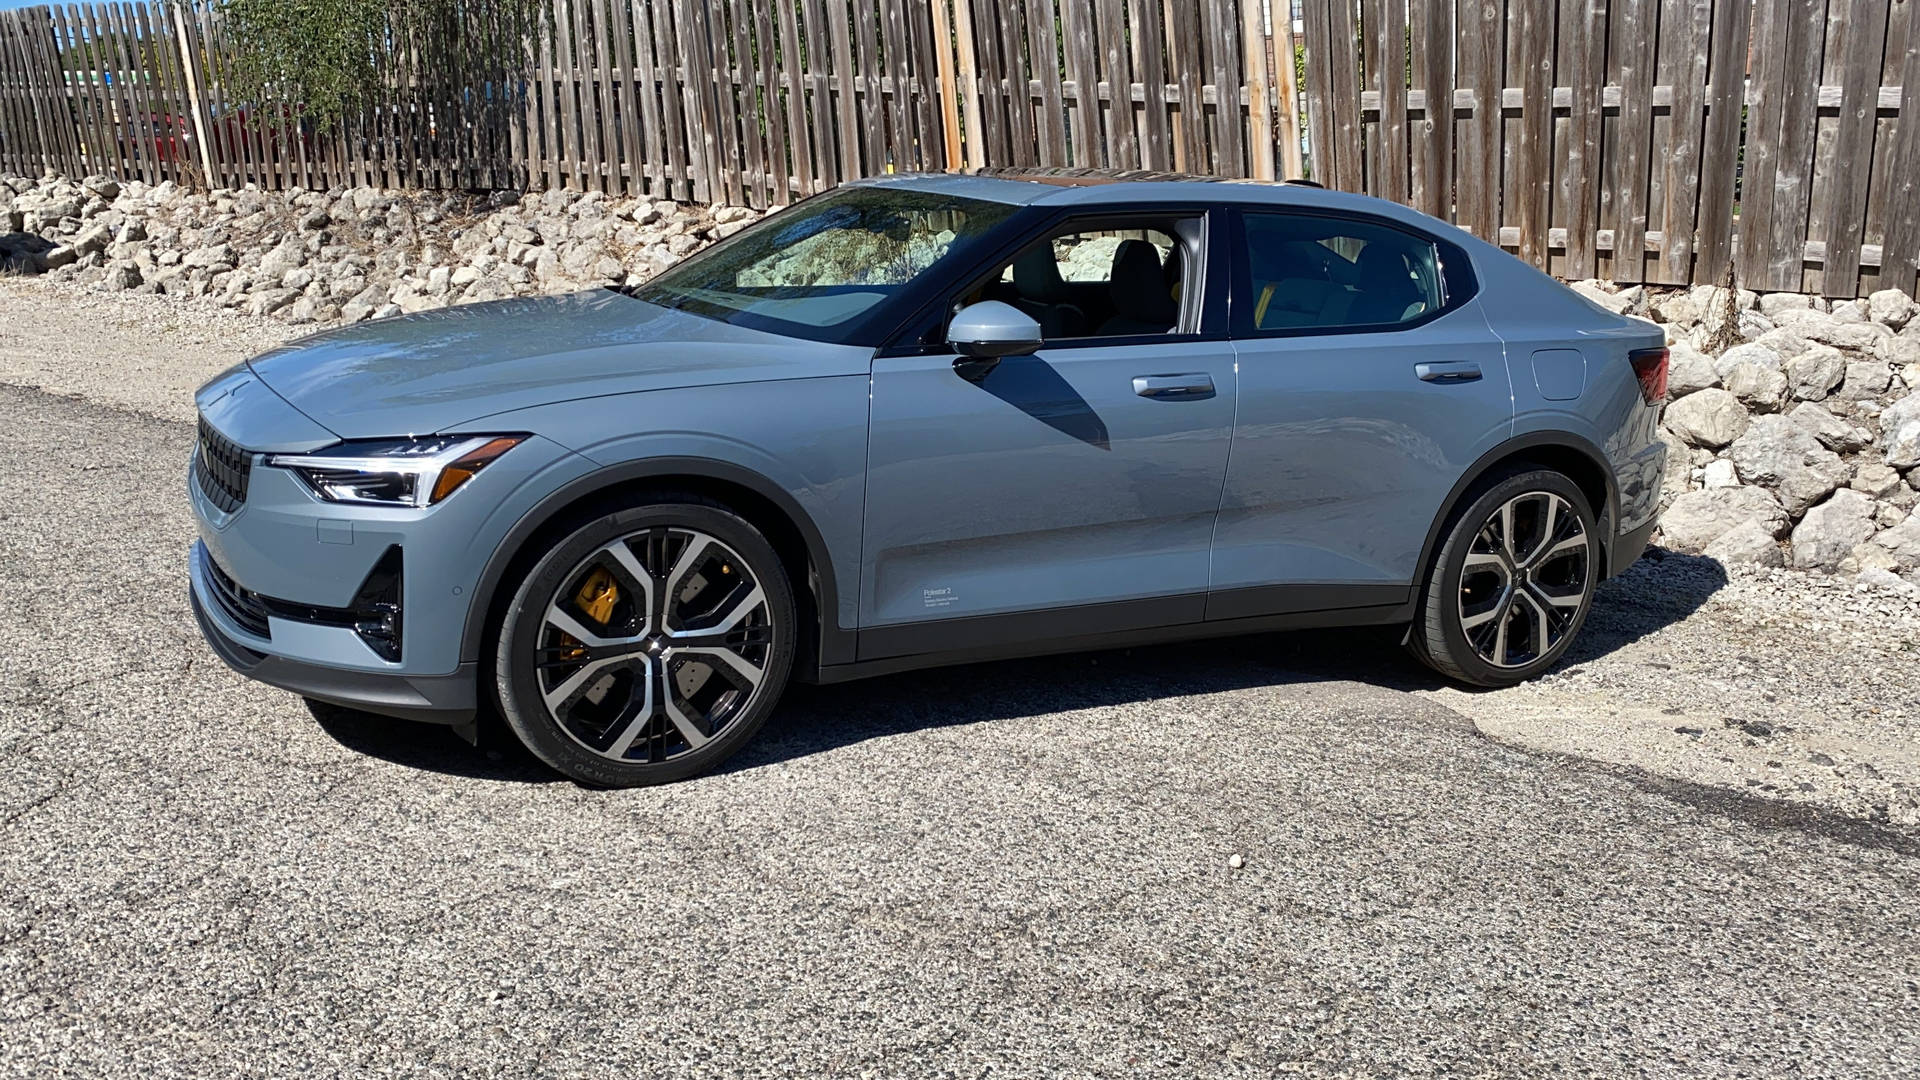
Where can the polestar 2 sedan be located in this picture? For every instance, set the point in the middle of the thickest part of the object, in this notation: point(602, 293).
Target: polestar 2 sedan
point(920, 420)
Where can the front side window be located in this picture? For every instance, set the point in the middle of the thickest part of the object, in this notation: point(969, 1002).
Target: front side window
point(1098, 282)
point(828, 261)
point(1309, 272)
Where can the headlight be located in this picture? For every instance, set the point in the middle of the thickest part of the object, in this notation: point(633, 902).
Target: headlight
point(396, 472)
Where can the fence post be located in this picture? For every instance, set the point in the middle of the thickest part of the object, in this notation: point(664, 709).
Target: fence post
point(196, 102)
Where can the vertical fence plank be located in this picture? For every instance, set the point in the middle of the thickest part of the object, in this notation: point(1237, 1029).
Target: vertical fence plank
point(1533, 179)
point(966, 72)
point(1262, 132)
point(846, 100)
point(1633, 49)
point(1227, 127)
point(1389, 38)
point(1800, 31)
point(790, 70)
point(1181, 24)
point(1586, 51)
point(1436, 31)
point(1866, 37)
point(771, 110)
point(1083, 70)
point(1013, 73)
point(1479, 39)
point(1682, 171)
point(819, 102)
point(1317, 23)
point(1044, 56)
point(1901, 250)
point(1122, 145)
point(1720, 145)
point(1150, 68)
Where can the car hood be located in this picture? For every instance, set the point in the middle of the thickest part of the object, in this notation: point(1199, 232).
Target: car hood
point(427, 372)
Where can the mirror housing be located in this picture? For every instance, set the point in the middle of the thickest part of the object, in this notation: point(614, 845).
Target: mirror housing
point(991, 329)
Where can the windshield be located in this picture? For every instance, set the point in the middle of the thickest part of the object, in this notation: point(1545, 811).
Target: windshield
point(828, 261)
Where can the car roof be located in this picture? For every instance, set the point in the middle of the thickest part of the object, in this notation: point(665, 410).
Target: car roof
point(1126, 188)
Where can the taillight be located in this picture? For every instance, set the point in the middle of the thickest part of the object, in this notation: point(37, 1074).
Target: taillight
point(1650, 367)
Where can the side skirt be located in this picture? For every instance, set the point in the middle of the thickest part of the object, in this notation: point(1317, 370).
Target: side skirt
point(1092, 627)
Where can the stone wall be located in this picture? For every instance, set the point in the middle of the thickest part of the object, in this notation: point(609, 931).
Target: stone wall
point(342, 256)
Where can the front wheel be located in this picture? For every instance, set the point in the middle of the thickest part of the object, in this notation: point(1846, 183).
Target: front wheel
point(1512, 582)
point(648, 645)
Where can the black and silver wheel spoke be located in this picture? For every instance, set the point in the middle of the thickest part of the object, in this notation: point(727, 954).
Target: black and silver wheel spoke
point(689, 653)
point(1525, 579)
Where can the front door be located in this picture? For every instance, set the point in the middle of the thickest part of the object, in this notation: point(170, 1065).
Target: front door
point(1078, 484)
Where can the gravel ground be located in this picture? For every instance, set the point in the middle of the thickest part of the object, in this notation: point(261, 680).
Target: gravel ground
point(1020, 868)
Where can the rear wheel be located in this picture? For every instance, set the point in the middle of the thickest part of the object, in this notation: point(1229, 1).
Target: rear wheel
point(648, 645)
point(1512, 582)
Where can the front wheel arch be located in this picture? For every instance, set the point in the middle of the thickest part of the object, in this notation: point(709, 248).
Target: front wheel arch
point(764, 504)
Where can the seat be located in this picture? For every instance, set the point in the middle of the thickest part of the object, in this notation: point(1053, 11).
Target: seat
point(1298, 302)
point(1386, 292)
point(1139, 289)
point(1042, 293)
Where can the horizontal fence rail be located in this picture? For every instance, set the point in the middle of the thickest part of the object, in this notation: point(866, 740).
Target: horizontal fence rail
point(1637, 140)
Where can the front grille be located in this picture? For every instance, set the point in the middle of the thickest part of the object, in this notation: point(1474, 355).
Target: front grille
point(247, 609)
point(222, 468)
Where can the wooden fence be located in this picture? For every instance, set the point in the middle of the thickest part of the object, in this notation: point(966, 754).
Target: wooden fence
point(1639, 140)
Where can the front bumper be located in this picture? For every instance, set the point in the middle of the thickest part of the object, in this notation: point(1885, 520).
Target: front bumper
point(438, 699)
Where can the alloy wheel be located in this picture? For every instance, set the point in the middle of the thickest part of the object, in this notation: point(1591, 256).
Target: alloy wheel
point(1527, 577)
point(653, 644)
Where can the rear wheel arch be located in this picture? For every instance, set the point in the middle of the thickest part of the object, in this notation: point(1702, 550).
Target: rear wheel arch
point(762, 503)
point(1563, 452)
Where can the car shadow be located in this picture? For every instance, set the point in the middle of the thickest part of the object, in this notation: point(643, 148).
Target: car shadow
point(1660, 590)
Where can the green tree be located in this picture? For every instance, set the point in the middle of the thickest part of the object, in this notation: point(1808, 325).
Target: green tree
point(334, 58)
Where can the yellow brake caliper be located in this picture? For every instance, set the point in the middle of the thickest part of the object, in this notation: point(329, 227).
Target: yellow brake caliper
point(596, 597)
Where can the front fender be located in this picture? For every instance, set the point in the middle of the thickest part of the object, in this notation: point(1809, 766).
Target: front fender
point(801, 444)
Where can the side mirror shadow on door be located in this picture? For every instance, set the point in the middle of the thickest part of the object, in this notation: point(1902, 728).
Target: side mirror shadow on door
point(982, 333)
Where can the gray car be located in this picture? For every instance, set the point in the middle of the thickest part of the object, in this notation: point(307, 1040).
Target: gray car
point(922, 420)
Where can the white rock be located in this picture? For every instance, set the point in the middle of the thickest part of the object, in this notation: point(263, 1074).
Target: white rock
point(1760, 354)
point(1834, 433)
point(1849, 311)
point(1865, 380)
point(1903, 541)
point(1814, 374)
point(1821, 327)
point(1760, 389)
point(1698, 518)
point(1720, 473)
point(1772, 304)
point(1832, 529)
point(1748, 542)
point(1709, 418)
point(1892, 307)
point(1776, 453)
point(1900, 432)
point(1688, 370)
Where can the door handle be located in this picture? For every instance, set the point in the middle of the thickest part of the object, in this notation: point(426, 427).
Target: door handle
point(1448, 371)
point(1174, 387)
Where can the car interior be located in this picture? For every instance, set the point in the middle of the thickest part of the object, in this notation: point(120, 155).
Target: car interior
point(1324, 273)
point(1097, 282)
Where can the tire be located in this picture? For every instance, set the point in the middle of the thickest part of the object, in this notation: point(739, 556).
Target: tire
point(1496, 612)
point(648, 644)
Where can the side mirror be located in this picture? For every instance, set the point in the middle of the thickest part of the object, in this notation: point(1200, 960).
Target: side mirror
point(982, 333)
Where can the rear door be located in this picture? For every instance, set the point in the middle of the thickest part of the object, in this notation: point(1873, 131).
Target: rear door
point(1078, 484)
point(1369, 381)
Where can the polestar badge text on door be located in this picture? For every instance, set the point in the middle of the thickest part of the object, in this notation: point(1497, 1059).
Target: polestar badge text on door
point(920, 420)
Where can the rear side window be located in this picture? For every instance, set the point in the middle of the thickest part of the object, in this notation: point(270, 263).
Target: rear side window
point(1306, 272)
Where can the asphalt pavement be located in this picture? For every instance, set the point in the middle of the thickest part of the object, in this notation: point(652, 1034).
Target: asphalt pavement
point(1017, 869)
